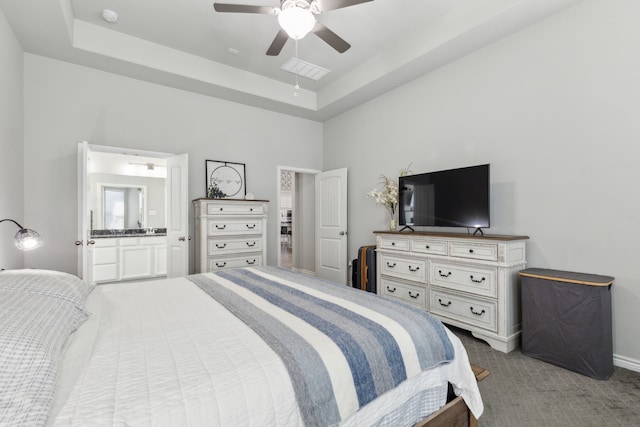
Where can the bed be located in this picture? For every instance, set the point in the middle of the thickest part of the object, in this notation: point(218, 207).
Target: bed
point(251, 346)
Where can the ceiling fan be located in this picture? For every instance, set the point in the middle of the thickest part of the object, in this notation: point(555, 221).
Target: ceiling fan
point(296, 20)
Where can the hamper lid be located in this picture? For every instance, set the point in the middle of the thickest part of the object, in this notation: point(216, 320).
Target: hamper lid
point(567, 276)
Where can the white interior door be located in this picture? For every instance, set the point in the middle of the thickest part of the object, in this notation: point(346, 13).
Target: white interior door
point(83, 238)
point(177, 216)
point(331, 225)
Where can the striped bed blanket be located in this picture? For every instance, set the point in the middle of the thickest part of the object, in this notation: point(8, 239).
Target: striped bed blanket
point(342, 347)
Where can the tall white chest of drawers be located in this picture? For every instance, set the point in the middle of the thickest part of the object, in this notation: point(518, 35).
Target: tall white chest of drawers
point(466, 281)
point(230, 233)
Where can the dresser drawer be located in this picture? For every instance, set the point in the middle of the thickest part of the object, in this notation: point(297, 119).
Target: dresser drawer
point(153, 240)
point(469, 278)
point(223, 246)
point(235, 209)
point(227, 227)
point(429, 246)
point(105, 242)
point(473, 311)
point(404, 268)
point(129, 241)
point(416, 295)
point(396, 243)
point(252, 260)
point(484, 251)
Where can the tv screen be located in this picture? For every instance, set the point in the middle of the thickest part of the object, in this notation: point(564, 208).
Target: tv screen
point(450, 198)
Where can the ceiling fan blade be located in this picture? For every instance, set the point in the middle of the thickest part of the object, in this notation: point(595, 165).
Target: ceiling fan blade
point(327, 5)
point(331, 38)
point(243, 8)
point(278, 43)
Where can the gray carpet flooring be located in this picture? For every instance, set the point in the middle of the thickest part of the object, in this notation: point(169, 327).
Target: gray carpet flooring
point(526, 392)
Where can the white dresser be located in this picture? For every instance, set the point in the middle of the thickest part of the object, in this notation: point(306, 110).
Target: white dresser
point(230, 233)
point(467, 281)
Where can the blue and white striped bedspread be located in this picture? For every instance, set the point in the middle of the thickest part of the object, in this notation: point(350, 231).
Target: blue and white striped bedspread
point(342, 347)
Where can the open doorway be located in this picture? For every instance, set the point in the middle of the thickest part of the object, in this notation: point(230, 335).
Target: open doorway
point(296, 218)
point(142, 232)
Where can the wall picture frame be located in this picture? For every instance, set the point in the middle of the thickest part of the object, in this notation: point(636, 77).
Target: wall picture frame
point(225, 180)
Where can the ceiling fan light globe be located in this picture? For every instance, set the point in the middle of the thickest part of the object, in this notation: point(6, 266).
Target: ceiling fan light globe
point(296, 21)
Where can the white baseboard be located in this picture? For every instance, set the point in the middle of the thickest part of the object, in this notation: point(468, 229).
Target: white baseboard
point(626, 362)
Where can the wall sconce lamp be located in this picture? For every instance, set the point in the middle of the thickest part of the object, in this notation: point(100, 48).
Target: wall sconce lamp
point(25, 239)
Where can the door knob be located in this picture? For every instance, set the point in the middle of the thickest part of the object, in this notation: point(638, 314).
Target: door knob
point(182, 238)
point(343, 233)
point(78, 242)
point(91, 242)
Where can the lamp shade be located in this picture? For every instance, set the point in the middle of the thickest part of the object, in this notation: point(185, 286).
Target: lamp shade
point(296, 21)
point(27, 239)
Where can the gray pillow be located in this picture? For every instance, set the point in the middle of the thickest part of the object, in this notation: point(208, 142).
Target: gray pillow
point(33, 331)
point(47, 282)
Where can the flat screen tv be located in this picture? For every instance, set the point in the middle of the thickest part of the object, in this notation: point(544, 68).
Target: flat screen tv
point(449, 198)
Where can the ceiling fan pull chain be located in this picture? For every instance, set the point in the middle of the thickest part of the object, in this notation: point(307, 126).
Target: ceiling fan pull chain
point(297, 86)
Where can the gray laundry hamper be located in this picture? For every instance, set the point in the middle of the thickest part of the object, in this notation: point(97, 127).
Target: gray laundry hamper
point(566, 320)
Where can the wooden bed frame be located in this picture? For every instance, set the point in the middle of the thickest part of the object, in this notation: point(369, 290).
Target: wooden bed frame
point(455, 413)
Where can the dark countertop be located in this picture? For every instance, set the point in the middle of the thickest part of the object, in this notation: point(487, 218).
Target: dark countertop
point(127, 232)
point(111, 236)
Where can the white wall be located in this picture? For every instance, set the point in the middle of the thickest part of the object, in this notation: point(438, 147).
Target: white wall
point(66, 103)
point(11, 157)
point(554, 109)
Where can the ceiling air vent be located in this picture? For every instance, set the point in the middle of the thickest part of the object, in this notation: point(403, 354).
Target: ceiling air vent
point(305, 69)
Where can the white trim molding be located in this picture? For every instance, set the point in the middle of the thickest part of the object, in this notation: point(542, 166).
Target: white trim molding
point(626, 362)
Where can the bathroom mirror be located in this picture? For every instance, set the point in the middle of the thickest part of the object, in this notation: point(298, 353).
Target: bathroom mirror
point(126, 192)
point(121, 207)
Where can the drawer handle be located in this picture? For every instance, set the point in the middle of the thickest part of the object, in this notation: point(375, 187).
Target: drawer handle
point(476, 312)
point(414, 296)
point(221, 209)
point(413, 270)
point(250, 209)
point(221, 228)
point(252, 244)
point(444, 275)
point(391, 290)
point(393, 243)
point(477, 281)
point(427, 247)
point(251, 262)
point(219, 246)
point(221, 264)
point(470, 251)
point(391, 265)
point(251, 227)
point(443, 304)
